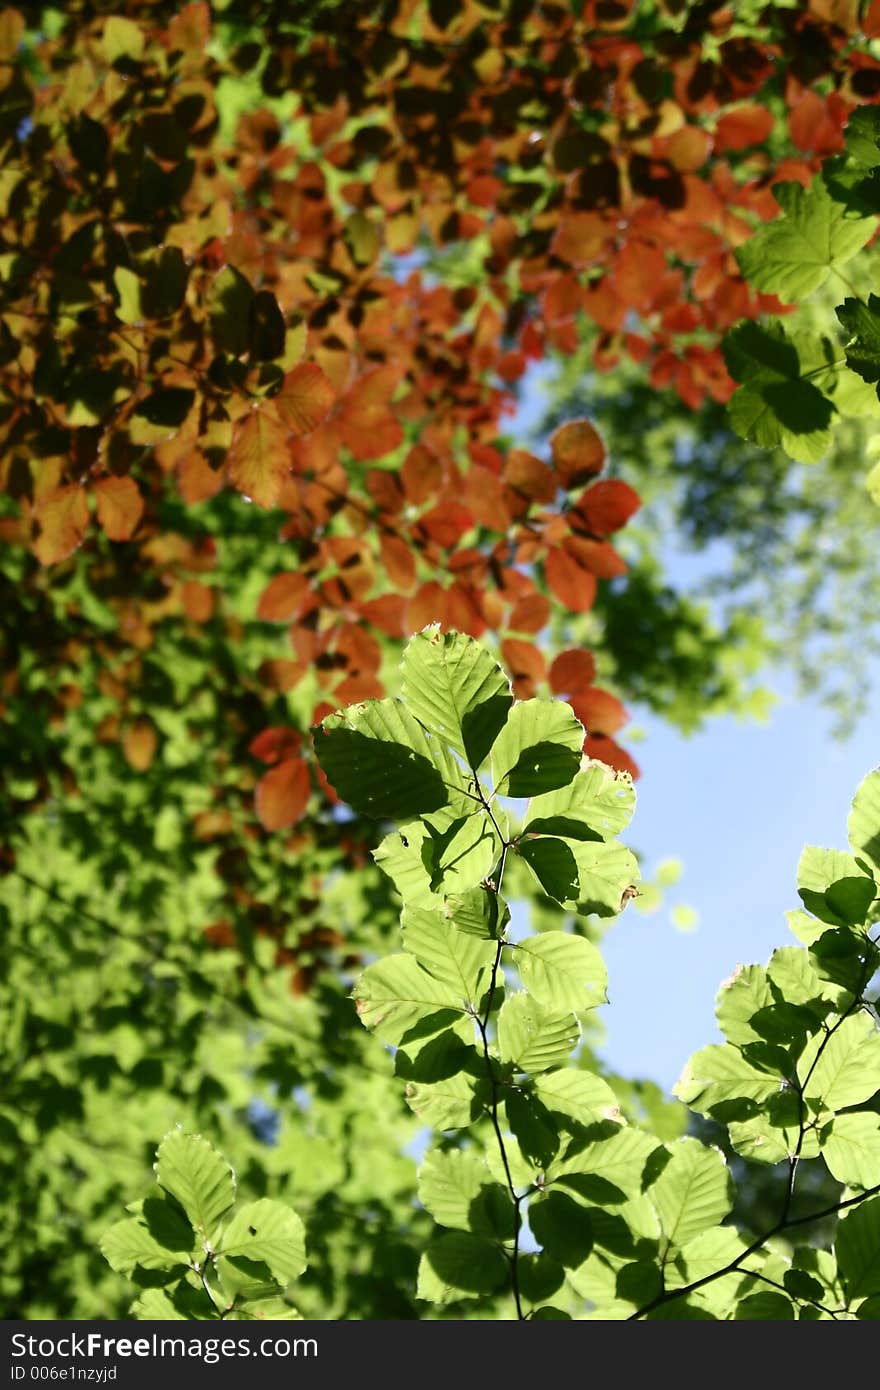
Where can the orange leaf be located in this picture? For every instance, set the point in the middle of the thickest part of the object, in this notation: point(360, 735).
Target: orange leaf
point(63, 518)
point(529, 476)
point(688, 149)
point(530, 613)
point(421, 474)
point(283, 794)
point(607, 751)
point(526, 665)
point(281, 675)
point(605, 507)
point(572, 672)
point(578, 452)
point(198, 600)
point(139, 744)
point(369, 427)
point(190, 30)
point(259, 458)
point(446, 523)
point(599, 557)
point(385, 613)
point(599, 712)
point(579, 237)
point(282, 598)
point(574, 587)
point(746, 125)
point(274, 744)
point(305, 397)
point(399, 563)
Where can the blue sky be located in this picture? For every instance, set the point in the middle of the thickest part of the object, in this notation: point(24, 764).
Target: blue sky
point(736, 803)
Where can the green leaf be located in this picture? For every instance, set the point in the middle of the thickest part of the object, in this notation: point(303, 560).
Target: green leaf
point(739, 999)
point(707, 1252)
point(794, 255)
point(123, 38)
point(562, 1226)
point(864, 822)
point(562, 972)
point(454, 958)
point(766, 1306)
point(155, 1305)
point(719, 1081)
point(858, 1249)
point(455, 688)
point(130, 1245)
point(453, 1103)
point(458, 1265)
point(851, 1148)
point(694, 1191)
point(455, 1186)
point(128, 288)
point(579, 1094)
point(539, 1278)
point(267, 1232)
point(597, 804)
point(589, 876)
point(478, 912)
point(198, 1177)
point(533, 1127)
point(819, 870)
point(605, 1166)
point(538, 750)
point(230, 306)
point(533, 1039)
point(862, 324)
point(843, 1068)
point(395, 994)
point(776, 405)
point(379, 759)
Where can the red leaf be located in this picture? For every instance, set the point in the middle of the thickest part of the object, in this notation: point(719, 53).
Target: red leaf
point(274, 744)
point(120, 506)
point(605, 507)
point(281, 675)
point(259, 458)
point(574, 587)
point(399, 563)
point(305, 397)
point(572, 672)
point(578, 452)
point(607, 751)
point(446, 523)
point(282, 598)
point(283, 794)
point(746, 125)
point(599, 712)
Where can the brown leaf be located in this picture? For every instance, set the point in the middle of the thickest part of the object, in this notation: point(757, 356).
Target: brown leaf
point(259, 458)
point(305, 397)
point(119, 505)
point(63, 517)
